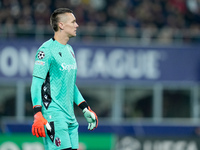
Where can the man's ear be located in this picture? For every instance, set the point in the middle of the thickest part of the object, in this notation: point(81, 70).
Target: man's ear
point(60, 25)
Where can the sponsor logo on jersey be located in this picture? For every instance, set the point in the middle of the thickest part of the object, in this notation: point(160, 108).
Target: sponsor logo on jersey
point(38, 62)
point(67, 67)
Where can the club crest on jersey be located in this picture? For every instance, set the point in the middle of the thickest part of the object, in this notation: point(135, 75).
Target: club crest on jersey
point(58, 142)
point(41, 55)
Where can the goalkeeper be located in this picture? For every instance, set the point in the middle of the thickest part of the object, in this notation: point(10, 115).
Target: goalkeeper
point(53, 88)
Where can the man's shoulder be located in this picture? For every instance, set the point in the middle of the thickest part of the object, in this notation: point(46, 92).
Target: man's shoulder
point(47, 44)
point(46, 47)
point(70, 48)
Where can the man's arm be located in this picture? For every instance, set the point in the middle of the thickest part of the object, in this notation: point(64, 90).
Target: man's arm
point(78, 98)
point(36, 91)
point(39, 120)
point(89, 115)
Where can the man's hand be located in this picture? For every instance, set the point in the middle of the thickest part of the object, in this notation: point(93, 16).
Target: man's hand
point(91, 118)
point(38, 125)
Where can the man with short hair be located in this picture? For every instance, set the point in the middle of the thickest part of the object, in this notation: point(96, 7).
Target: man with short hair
point(53, 88)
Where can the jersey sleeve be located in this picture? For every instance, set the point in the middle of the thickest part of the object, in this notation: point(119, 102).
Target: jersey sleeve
point(78, 98)
point(42, 63)
point(36, 91)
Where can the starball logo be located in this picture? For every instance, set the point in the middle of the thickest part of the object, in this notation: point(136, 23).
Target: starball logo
point(67, 67)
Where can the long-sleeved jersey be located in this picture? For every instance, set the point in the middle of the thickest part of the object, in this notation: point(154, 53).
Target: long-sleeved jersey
point(56, 64)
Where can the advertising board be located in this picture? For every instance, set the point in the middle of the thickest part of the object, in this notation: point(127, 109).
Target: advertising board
point(109, 62)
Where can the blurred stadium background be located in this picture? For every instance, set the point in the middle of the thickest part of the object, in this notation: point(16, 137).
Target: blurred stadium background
point(138, 68)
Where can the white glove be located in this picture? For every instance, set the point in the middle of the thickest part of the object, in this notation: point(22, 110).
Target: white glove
point(91, 118)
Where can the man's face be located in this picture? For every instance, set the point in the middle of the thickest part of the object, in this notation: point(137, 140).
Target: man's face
point(68, 24)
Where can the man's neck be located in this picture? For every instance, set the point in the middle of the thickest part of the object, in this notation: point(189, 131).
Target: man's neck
point(61, 38)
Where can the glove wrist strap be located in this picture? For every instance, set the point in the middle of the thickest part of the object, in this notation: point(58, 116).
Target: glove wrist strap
point(83, 105)
point(37, 109)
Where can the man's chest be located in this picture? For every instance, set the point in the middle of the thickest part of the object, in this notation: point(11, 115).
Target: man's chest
point(64, 60)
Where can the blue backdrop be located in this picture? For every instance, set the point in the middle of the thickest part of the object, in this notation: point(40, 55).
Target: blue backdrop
point(100, 62)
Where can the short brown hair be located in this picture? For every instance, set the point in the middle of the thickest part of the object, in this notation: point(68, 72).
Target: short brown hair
point(54, 17)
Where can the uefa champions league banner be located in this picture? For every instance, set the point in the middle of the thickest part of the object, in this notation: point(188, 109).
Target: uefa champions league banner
point(157, 143)
point(129, 63)
point(108, 62)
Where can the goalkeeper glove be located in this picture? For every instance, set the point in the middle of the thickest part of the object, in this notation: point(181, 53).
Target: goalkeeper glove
point(38, 124)
point(91, 118)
